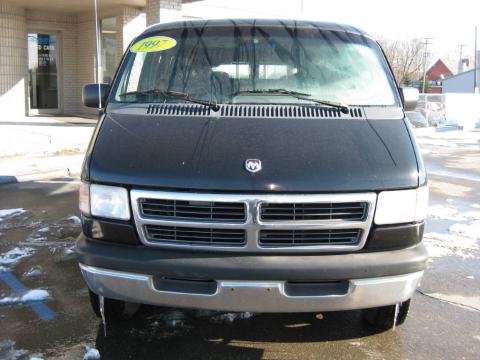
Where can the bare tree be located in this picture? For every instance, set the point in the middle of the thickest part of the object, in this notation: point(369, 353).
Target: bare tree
point(406, 59)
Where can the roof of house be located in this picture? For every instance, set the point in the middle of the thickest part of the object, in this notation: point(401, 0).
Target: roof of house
point(438, 71)
point(462, 74)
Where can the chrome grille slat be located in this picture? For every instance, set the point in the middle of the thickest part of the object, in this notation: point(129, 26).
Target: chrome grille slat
point(191, 236)
point(304, 223)
point(274, 238)
point(174, 209)
point(313, 211)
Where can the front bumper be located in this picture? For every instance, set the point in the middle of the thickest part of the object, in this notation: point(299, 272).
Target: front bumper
point(251, 282)
point(256, 296)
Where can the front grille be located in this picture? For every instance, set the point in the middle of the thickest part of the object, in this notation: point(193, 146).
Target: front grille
point(195, 236)
point(351, 211)
point(250, 223)
point(286, 238)
point(192, 210)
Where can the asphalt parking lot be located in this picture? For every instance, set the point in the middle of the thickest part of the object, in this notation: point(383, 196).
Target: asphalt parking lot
point(39, 223)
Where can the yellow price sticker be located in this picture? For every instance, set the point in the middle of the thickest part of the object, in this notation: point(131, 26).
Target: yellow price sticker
point(154, 43)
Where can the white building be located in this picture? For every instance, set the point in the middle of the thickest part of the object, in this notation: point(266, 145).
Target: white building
point(47, 49)
point(461, 83)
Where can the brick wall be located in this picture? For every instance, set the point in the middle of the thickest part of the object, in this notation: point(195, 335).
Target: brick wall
point(161, 11)
point(13, 61)
point(86, 57)
point(76, 52)
point(130, 23)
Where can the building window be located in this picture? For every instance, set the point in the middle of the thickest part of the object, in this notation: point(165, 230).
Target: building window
point(108, 28)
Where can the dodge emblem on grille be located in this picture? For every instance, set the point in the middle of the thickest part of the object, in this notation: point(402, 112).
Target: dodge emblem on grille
point(253, 165)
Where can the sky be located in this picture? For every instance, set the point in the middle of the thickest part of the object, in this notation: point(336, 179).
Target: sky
point(448, 22)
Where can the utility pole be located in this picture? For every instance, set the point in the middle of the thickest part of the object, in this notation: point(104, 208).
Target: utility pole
point(426, 42)
point(99, 54)
point(475, 86)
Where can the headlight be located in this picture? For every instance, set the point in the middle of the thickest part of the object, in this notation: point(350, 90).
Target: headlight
point(104, 201)
point(84, 198)
point(401, 206)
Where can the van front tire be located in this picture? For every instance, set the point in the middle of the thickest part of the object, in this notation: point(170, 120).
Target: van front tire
point(383, 317)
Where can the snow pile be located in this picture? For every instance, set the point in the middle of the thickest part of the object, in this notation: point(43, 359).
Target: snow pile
point(34, 271)
point(10, 212)
point(35, 295)
point(15, 255)
point(471, 231)
point(444, 212)
point(451, 213)
point(475, 215)
point(30, 296)
point(440, 245)
point(91, 354)
point(70, 250)
point(74, 218)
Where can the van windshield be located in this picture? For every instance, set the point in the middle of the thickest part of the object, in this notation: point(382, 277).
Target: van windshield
point(248, 64)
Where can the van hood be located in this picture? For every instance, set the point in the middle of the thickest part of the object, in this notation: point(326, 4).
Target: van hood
point(209, 153)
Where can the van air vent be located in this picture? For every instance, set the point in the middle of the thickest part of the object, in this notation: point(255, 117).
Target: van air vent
point(255, 111)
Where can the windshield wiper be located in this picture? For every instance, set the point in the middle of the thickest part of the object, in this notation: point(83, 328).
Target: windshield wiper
point(174, 95)
point(299, 95)
point(271, 91)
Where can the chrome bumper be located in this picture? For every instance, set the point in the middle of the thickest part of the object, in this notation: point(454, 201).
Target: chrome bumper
point(255, 296)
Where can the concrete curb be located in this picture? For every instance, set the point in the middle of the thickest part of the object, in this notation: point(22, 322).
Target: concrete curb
point(42, 175)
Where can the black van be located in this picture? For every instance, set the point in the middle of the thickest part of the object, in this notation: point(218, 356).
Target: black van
point(253, 165)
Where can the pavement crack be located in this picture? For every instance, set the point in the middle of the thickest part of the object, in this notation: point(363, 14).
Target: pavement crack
point(448, 301)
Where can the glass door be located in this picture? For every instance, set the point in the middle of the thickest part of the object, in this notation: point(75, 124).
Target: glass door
point(43, 73)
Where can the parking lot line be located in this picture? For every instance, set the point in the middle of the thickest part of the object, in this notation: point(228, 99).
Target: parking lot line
point(42, 310)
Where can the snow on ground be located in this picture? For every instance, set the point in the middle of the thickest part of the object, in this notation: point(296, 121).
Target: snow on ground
point(8, 351)
point(430, 139)
point(91, 354)
point(440, 245)
point(231, 317)
point(461, 240)
point(471, 230)
point(14, 255)
point(10, 212)
point(75, 219)
point(444, 212)
point(30, 296)
point(34, 271)
point(451, 213)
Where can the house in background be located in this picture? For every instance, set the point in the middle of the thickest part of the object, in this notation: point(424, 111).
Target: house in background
point(435, 76)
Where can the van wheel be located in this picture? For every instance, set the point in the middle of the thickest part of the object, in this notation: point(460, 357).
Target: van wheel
point(383, 317)
point(113, 309)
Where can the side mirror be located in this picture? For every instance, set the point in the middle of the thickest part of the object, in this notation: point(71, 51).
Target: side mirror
point(92, 97)
point(410, 96)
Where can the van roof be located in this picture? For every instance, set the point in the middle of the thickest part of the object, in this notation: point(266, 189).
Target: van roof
point(255, 22)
